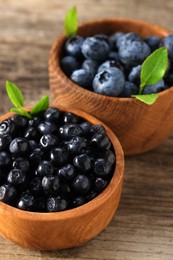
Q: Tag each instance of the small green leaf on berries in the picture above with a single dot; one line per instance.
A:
(71, 22)
(42, 105)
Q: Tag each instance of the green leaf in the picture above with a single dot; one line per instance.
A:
(71, 22)
(154, 68)
(42, 105)
(20, 111)
(14, 94)
(148, 99)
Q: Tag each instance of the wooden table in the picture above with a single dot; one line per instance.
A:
(143, 226)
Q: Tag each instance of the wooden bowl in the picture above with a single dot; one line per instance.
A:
(138, 126)
(50, 231)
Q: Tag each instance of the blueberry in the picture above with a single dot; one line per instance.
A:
(100, 184)
(31, 133)
(95, 49)
(114, 38)
(16, 177)
(40, 204)
(35, 121)
(33, 144)
(7, 127)
(76, 145)
(91, 195)
(21, 164)
(73, 46)
(122, 40)
(55, 204)
(129, 89)
(82, 162)
(82, 77)
(134, 75)
(102, 167)
(47, 127)
(26, 201)
(21, 121)
(90, 66)
(168, 43)
(109, 155)
(36, 185)
(113, 55)
(50, 184)
(19, 146)
(70, 130)
(109, 82)
(69, 64)
(7, 193)
(97, 129)
(48, 141)
(67, 172)
(70, 118)
(153, 42)
(101, 141)
(65, 190)
(169, 79)
(45, 168)
(81, 184)
(133, 52)
(5, 140)
(52, 114)
(5, 159)
(86, 127)
(78, 201)
(36, 156)
(110, 64)
(155, 88)
(59, 155)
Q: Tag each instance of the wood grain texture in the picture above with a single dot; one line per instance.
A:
(143, 226)
(139, 127)
(50, 231)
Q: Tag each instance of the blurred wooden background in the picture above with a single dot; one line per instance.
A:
(143, 226)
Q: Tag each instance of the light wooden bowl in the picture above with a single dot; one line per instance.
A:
(50, 231)
(138, 126)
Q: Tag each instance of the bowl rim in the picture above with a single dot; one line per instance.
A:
(89, 206)
(59, 41)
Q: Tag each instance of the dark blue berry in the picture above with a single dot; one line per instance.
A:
(168, 43)
(91, 195)
(100, 184)
(31, 133)
(5, 140)
(133, 52)
(78, 201)
(19, 145)
(102, 167)
(47, 127)
(81, 184)
(59, 155)
(73, 46)
(52, 114)
(155, 88)
(122, 40)
(153, 42)
(134, 75)
(36, 156)
(101, 141)
(45, 168)
(95, 49)
(109, 82)
(76, 145)
(7, 193)
(86, 126)
(21, 164)
(82, 77)
(71, 130)
(114, 38)
(67, 172)
(129, 89)
(108, 155)
(5, 158)
(55, 204)
(7, 127)
(82, 162)
(50, 184)
(90, 66)
(97, 129)
(26, 201)
(110, 64)
(16, 177)
(40, 204)
(70, 118)
(34, 122)
(65, 190)
(33, 144)
(69, 64)
(21, 121)
(49, 141)
(36, 185)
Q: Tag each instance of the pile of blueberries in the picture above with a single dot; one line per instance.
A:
(111, 65)
(53, 162)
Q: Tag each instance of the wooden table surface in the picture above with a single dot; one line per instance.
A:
(143, 226)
